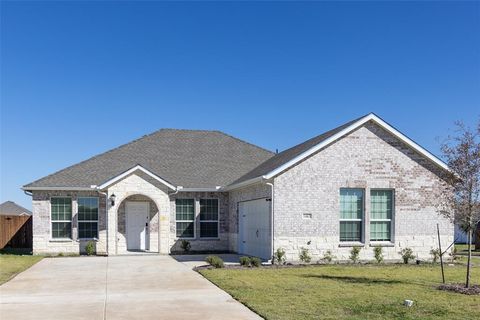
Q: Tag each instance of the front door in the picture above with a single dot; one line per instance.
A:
(138, 216)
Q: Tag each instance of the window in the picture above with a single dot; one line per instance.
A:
(87, 218)
(381, 210)
(351, 214)
(185, 217)
(208, 218)
(61, 216)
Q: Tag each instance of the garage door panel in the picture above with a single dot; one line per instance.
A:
(254, 220)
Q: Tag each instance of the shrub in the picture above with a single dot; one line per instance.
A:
(328, 256)
(304, 255)
(407, 255)
(378, 254)
(453, 254)
(185, 245)
(279, 256)
(90, 248)
(255, 262)
(355, 254)
(215, 261)
(435, 255)
(61, 254)
(245, 261)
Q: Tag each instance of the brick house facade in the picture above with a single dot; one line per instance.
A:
(361, 184)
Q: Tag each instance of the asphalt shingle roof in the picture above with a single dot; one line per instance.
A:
(188, 158)
(10, 208)
(289, 154)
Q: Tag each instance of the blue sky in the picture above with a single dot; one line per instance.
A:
(79, 78)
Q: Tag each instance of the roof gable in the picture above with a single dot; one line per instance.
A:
(10, 208)
(290, 157)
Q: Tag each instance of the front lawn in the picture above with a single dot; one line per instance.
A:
(462, 249)
(349, 292)
(11, 265)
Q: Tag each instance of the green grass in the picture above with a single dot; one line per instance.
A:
(349, 292)
(11, 265)
(462, 249)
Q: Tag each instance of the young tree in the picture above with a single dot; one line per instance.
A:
(462, 154)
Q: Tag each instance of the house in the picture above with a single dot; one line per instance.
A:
(15, 226)
(361, 184)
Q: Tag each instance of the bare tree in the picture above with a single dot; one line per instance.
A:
(462, 154)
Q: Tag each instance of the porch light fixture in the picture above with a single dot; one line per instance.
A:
(112, 199)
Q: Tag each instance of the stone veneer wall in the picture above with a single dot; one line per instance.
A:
(42, 240)
(252, 192)
(367, 158)
(199, 244)
(152, 225)
(139, 184)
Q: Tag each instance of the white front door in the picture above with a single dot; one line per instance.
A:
(254, 228)
(137, 219)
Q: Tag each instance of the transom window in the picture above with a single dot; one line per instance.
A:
(351, 214)
(87, 218)
(61, 217)
(185, 218)
(381, 211)
(208, 218)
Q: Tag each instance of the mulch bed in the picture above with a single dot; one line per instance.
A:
(460, 288)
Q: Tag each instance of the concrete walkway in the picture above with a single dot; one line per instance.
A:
(124, 287)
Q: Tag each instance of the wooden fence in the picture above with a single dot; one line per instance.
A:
(16, 231)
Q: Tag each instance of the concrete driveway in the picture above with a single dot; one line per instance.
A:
(124, 287)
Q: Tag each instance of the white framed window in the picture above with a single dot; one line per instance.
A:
(185, 218)
(208, 218)
(381, 214)
(351, 214)
(61, 217)
(87, 217)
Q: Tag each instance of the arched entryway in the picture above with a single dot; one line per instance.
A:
(137, 225)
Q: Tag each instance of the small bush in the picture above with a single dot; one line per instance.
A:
(453, 254)
(355, 254)
(304, 255)
(407, 255)
(279, 256)
(378, 251)
(328, 256)
(245, 261)
(90, 248)
(435, 255)
(61, 254)
(255, 262)
(185, 245)
(215, 261)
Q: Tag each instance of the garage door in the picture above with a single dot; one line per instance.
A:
(254, 228)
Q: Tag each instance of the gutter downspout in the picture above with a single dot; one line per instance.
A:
(106, 215)
(272, 219)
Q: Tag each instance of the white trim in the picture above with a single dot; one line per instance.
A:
(182, 189)
(347, 130)
(194, 219)
(61, 221)
(126, 173)
(244, 183)
(89, 221)
(57, 188)
(200, 221)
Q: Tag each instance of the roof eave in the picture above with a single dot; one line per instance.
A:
(243, 184)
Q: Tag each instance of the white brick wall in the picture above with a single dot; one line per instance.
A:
(367, 158)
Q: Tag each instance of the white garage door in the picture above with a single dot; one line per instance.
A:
(254, 228)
